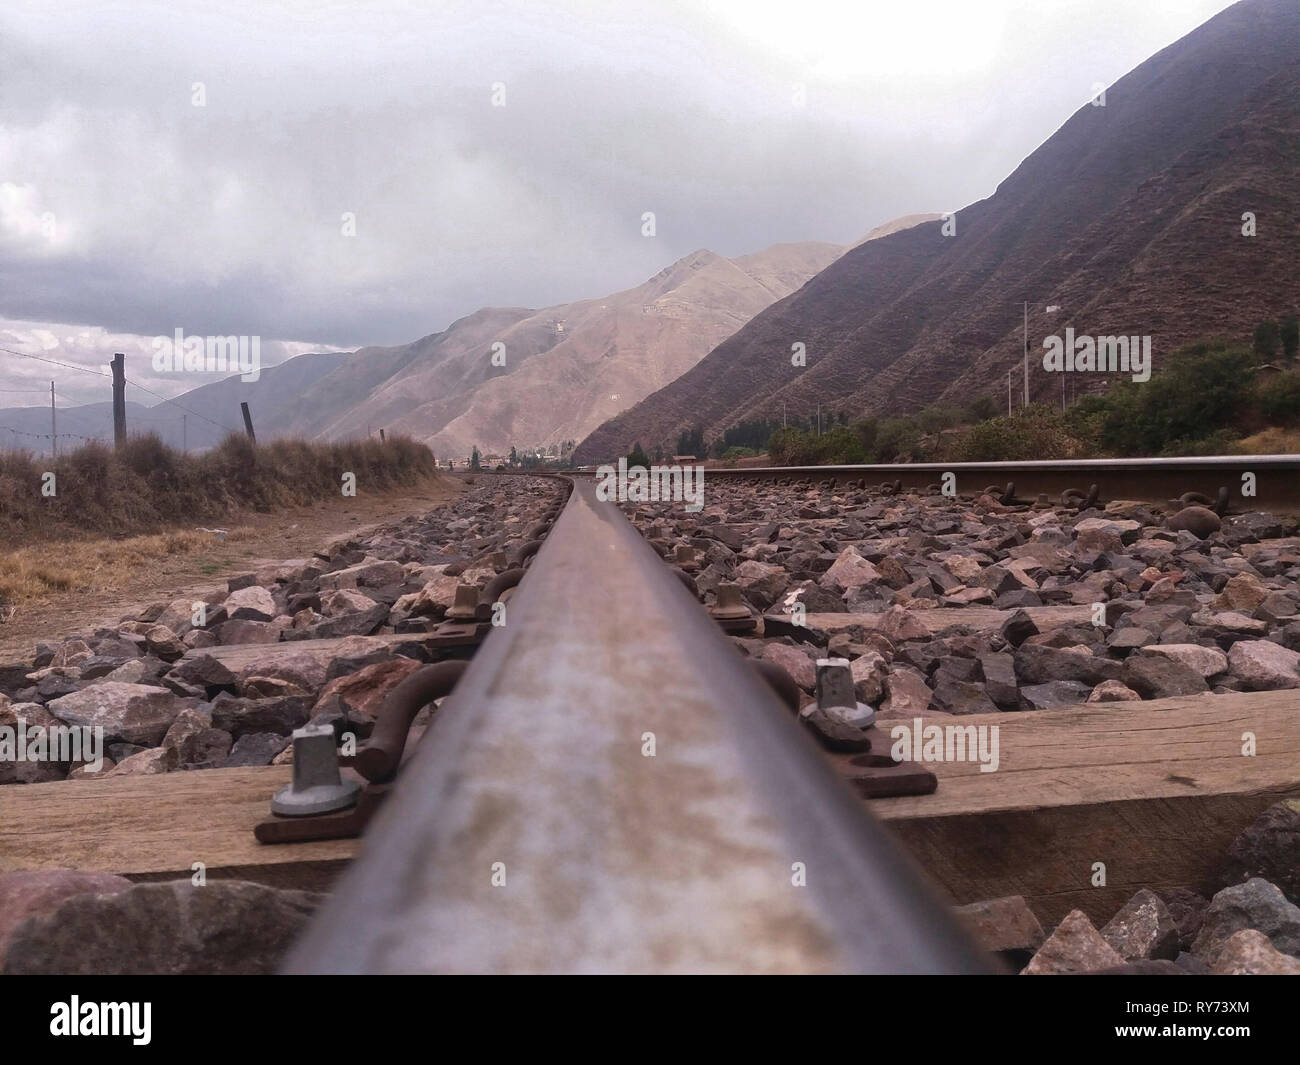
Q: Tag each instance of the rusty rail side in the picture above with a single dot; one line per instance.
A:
(611, 788)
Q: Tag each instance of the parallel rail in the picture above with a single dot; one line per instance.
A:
(1275, 480)
(611, 788)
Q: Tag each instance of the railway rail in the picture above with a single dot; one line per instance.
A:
(612, 789)
(1272, 480)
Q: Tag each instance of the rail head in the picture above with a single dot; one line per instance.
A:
(612, 789)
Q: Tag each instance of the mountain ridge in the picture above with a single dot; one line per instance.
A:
(915, 317)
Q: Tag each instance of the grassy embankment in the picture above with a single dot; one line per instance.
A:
(112, 512)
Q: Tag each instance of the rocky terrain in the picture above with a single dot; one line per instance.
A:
(946, 607)
(967, 605)
(164, 704)
(941, 606)
(1251, 927)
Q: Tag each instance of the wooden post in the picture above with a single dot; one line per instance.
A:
(185, 435)
(382, 439)
(248, 423)
(54, 425)
(119, 399)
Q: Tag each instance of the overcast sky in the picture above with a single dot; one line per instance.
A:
(126, 211)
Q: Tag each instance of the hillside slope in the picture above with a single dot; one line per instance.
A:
(1128, 218)
(567, 368)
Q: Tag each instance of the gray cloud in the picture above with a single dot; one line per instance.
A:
(125, 207)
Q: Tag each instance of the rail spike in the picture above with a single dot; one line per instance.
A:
(1196, 499)
(1085, 500)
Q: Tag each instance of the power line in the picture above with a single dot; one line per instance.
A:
(55, 362)
(98, 373)
(45, 436)
(187, 410)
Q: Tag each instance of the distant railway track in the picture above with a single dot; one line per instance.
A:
(1276, 478)
(611, 788)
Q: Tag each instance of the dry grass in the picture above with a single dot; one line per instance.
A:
(146, 486)
(1271, 441)
(32, 574)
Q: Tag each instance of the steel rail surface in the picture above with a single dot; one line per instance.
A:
(530, 833)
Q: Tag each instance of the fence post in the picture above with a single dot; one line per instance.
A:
(248, 423)
(119, 399)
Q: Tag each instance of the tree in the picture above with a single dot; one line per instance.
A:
(1290, 336)
(637, 457)
(514, 456)
(475, 460)
(691, 441)
(1267, 338)
(981, 410)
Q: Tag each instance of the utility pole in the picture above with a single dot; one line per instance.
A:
(819, 419)
(248, 423)
(185, 435)
(1008, 393)
(1026, 353)
(54, 425)
(119, 400)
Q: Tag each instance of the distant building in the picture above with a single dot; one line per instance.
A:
(682, 460)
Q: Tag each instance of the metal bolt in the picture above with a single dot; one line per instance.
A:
(318, 787)
(729, 605)
(686, 558)
(465, 606)
(836, 696)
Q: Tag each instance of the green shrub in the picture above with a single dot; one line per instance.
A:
(1277, 398)
(981, 410)
(1268, 338)
(839, 446)
(1034, 432)
(1202, 389)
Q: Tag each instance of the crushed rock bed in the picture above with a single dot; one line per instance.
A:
(164, 705)
(961, 606)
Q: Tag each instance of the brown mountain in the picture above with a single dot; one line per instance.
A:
(1129, 218)
(566, 368)
(617, 350)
